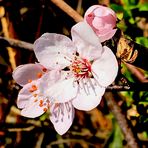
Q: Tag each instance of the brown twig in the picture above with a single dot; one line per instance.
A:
(137, 73)
(115, 109)
(16, 43)
(67, 9)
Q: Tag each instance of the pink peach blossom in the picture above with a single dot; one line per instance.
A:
(86, 68)
(102, 20)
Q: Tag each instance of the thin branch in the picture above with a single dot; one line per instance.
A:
(137, 73)
(62, 141)
(130, 87)
(16, 43)
(115, 109)
(27, 129)
(67, 9)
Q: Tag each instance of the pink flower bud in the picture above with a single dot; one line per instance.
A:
(102, 20)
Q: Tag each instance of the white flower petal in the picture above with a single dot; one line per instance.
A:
(105, 68)
(88, 44)
(33, 109)
(54, 50)
(63, 90)
(89, 96)
(62, 116)
(48, 80)
(25, 94)
(26, 72)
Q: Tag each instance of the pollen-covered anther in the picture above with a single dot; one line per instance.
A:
(41, 103)
(39, 74)
(45, 109)
(35, 95)
(81, 68)
(33, 88)
(29, 81)
(44, 69)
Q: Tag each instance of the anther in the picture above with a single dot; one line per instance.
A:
(41, 105)
(44, 69)
(29, 81)
(39, 74)
(44, 109)
(33, 88)
(35, 95)
(41, 101)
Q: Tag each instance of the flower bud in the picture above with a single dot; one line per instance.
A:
(102, 20)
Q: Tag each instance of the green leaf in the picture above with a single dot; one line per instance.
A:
(142, 40)
(143, 7)
(119, 15)
(117, 137)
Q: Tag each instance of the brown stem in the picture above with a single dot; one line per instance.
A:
(67, 9)
(115, 109)
(16, 43)
(137, 73)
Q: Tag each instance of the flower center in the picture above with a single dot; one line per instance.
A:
(81, 68)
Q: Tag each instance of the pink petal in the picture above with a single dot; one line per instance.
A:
(105, 24)
(107, 36)
(89, 97)
(63, 90)
(33, 109)
(62, 116)
(103, 11)
(54, 50)
(88, 44)
(99, 10)
(26, 72)
(105, 68)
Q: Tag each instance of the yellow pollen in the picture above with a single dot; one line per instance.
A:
(77, 70)
(35, 95)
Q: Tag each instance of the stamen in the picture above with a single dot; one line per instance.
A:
(33, 88)
(29, 81)
(44, 69)
(41, 105)
(35, 95)
(41, 101)
(81, 68)
(44, 109)
(39, 74)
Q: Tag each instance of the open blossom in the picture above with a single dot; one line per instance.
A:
(33, 101)
(86, 68)
(102, 20)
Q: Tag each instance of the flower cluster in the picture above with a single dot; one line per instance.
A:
(69, 73)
